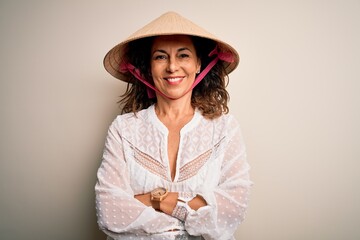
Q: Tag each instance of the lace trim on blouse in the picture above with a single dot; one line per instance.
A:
(187, 171)
(193, 167)
(149, 163)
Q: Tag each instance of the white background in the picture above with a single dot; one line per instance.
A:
(295, 93)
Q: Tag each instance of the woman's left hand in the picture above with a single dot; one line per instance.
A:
(168, 204)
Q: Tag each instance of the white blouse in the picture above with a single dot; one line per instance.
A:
(211, 162)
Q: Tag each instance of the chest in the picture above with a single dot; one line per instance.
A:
(181, 162)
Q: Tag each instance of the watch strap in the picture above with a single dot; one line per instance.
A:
(156, 205)
(182, 207)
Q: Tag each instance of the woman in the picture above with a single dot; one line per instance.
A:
(174, 164)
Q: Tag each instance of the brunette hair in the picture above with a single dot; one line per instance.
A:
(209, 96)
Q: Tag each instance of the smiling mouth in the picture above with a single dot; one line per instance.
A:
(174, 80)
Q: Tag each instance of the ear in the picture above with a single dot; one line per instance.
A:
(198, 69)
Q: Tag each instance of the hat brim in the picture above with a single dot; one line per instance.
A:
(167, 24)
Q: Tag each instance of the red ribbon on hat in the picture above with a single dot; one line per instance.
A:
(224, 56)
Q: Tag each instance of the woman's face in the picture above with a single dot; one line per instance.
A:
(174, 64)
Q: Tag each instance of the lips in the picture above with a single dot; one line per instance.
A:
(174, 80)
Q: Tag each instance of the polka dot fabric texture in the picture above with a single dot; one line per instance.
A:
(211, 162)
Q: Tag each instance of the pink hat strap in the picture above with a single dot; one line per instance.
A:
(125, 66)
(224, 56)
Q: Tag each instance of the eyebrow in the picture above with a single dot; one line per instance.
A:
(179, 50)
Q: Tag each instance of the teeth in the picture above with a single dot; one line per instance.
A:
(174, 79)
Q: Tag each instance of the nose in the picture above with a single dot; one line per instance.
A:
(173, 65)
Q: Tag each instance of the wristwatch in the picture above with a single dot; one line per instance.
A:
(158, 195)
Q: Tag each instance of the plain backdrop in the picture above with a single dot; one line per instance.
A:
(295, 93)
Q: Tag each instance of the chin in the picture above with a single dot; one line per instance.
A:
(177, 95)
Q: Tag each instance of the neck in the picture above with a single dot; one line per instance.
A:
(174, 109)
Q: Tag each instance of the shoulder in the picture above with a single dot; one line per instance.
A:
(138, 116)
(222, 127)
(225, 121)
(129, 120)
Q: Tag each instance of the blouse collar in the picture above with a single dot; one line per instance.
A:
(188, 127)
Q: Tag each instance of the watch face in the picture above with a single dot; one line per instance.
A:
(159, 192)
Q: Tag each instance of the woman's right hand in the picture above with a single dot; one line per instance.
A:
(168, 204)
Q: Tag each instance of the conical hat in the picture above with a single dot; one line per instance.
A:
(169, 23)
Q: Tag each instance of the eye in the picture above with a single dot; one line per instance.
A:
(160, 57)
(184, 55)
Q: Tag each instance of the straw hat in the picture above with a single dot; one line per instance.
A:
(169, 23)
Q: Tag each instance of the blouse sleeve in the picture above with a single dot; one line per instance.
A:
(227, 203)
(117, 209)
